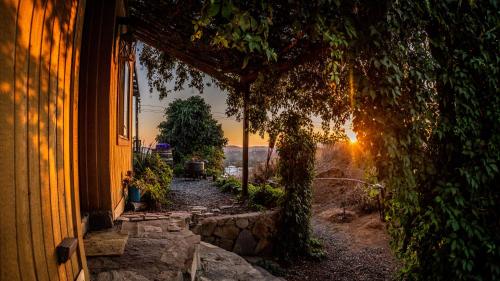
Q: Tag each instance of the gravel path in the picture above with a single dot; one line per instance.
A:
(342, 262)
(186, 193)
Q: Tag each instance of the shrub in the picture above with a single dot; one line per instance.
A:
(265, 195)
(260, 196)
(153, 176)
(178, 170)
(229, 184)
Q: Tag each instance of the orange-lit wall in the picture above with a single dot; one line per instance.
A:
(39, 63)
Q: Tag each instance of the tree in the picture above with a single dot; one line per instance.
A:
(422, 80)
(193, 133)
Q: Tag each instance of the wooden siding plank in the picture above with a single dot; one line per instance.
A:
(33, 146)
(59, 117)
(105, 65)
(22, 210)
(75, 71)
(81, 100)
(53, 134)
(69, 187)
(9, 268)
(45, 149)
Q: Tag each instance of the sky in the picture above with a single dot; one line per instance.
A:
(152, 109)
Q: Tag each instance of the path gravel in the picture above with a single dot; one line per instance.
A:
(342, 263)
(186, 193)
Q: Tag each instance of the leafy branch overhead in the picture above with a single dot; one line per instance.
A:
(420, 79)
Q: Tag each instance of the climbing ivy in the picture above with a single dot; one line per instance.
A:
(296, 149)
(423, 82)
(421, 79)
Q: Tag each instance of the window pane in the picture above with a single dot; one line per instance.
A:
(126, 94)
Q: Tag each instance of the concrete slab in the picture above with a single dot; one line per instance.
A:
(105, 243)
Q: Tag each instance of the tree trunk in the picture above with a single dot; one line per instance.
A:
(245, 89)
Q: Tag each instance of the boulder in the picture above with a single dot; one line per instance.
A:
(242, 223)
(228, 232)
(226, 244)
(264, 248)
(245, 244)
(208, 227)
(263, 228)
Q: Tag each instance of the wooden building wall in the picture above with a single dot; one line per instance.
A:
(39, 63)
(105, 158)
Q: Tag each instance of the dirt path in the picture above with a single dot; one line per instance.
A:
(357, 249)
(186, 193)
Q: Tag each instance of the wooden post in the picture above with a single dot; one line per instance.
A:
(244, 183)
(137, 95)
(137, 145)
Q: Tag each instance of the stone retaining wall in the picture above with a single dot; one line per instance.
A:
(245, 234)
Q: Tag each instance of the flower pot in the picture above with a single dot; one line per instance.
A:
(134, 194)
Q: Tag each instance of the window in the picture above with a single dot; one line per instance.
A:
(124, 100)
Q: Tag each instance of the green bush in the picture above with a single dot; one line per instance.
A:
(153, 176)
(265, 195)
(229, 184)
(260, 196)
(178, 170)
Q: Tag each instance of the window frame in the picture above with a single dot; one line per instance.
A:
(121, 119)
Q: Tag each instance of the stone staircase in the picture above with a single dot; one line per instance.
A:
(161, 247)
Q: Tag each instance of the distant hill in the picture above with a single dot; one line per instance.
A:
(234, 156)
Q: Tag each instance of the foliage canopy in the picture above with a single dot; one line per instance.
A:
(421, 79)
(193, 132)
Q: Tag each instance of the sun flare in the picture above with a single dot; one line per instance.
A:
(352, 137)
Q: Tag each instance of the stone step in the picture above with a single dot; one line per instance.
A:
(156, 250)
(218, 264)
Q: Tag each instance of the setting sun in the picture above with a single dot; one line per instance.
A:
(352, 137)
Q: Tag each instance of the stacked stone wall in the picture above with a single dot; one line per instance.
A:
(250, 234)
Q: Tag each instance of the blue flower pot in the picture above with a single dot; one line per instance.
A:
(134, 194)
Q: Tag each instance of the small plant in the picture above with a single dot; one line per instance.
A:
(229, 184)
(316, 249)
(265, 195)
(153, 176)
(260, 196)
(272, 267)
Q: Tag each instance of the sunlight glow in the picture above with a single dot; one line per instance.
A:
(352, 137)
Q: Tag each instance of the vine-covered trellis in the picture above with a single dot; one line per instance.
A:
(419, 77)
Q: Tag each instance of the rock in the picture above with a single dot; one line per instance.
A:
(199, 208)
(173, 228)
(226, 244)
(218, 265)
(138, 206)
(119, 275)
(245, 244)
(105, 243)
(261, 229)
(264, 248)
(227, 232)
(215, 210)
(152, 229)
(171, 275)
(209, 239)
(242, 223)
(208, 227)
(225, 207)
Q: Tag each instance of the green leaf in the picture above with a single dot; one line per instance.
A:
(214, 9)
(245, 62)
